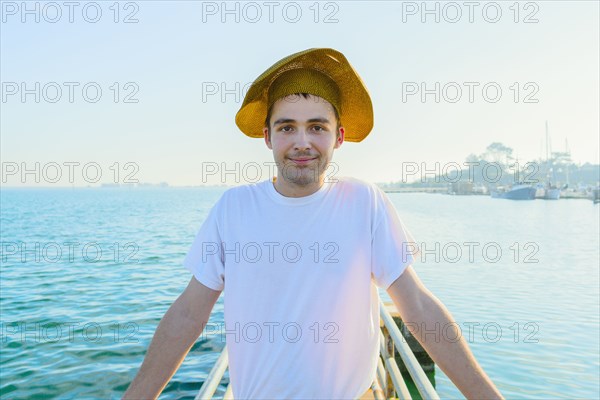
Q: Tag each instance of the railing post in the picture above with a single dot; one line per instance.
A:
(420, 379)
(390, 392)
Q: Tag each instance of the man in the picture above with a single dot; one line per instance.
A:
(301, 256)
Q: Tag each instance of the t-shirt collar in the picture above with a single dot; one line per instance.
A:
(279, 198)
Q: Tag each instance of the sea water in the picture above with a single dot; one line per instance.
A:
(87, 274)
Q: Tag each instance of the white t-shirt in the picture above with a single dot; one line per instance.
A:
(299, 277)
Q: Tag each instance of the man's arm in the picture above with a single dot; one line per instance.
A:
(176, 333)
(421, 310)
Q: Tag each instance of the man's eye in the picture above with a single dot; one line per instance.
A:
(318, 128)
(286, 128)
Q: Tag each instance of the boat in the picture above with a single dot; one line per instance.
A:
(551, 192)
(519, 191)
(540, 192)
(480, 189)
(547, 192)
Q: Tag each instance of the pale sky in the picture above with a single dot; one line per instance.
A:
(176, 51)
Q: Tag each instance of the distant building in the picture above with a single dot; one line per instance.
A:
(461, 187)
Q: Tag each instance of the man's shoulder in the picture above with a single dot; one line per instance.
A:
(350, 180)
(355, 185)
(246, 189)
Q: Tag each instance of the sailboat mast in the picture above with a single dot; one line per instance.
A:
(546, 141)
(547, 155)
(568, 160)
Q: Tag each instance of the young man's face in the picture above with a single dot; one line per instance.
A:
(303, 137)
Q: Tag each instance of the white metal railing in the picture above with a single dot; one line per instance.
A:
(210, 385)
(424, 386)
(388, 382)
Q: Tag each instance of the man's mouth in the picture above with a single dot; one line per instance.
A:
(302, 160)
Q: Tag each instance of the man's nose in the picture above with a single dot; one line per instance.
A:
(302, 139)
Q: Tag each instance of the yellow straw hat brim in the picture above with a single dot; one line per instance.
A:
(316, 68)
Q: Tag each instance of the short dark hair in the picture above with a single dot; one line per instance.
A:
(306, 96)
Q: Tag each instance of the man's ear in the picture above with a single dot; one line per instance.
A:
(339, 139)
(266, 135)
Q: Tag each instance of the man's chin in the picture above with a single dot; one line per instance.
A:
(301, 176)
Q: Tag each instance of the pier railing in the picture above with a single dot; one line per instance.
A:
(389, 382)
(390, 337)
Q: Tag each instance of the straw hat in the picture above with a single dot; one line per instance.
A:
(322, 72)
